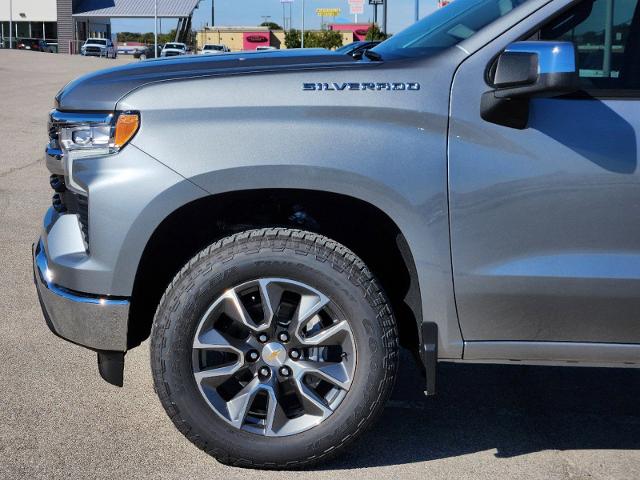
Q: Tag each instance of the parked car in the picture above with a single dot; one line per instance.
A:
(357, 48)
(147, 52)
(173, 49)
(99, 47)
(264, 48)
(34, 44)
(464, 190)
(26, 43)
(214, 49)
(129, 48)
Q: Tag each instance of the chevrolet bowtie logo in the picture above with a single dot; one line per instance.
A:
(273, 355)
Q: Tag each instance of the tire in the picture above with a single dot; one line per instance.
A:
(288, 259)
(142, 57)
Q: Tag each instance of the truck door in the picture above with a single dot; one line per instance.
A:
(545, 221)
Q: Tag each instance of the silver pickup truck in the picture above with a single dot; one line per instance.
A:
(280, 223)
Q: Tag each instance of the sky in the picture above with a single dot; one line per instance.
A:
(250, 12)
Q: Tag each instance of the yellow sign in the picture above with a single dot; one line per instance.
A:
(328, 12)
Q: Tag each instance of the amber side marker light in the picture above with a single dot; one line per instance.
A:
(126, 127)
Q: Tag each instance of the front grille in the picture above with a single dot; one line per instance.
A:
(83, 216)
(93, 50)
(54, 138)
(66, 201)
(69, 202)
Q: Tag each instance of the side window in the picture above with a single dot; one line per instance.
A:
(606, 34)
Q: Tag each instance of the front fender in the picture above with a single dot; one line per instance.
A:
(262, 131)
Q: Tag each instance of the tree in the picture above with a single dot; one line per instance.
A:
(147, 37)
(293, 39)
(374, 34)
(325, 39)
(271, 25)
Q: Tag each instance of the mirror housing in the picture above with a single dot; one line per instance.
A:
(527, 70)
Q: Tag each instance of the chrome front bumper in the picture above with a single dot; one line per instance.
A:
(98, 323)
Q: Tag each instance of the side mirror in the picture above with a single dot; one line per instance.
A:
(528, 70)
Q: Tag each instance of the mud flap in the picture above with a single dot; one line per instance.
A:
(429, 355)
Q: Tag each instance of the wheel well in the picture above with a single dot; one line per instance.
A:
(358, 225)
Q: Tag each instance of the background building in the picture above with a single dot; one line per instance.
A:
(31, 19)
(240, 38)
(353, 31)
(249, 38)
(69, 22)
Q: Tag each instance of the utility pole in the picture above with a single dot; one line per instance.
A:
(10, 24)
(417, 10)
(213, 13)
(384, 12)
(155, 27)
(302, 39)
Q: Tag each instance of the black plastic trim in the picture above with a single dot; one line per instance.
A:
(429, 353)
(111, 367)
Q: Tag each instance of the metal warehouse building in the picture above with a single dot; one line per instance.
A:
(70, 22)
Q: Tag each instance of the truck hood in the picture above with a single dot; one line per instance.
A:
(100, 91)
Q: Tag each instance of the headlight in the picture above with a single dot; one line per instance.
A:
(107, 134)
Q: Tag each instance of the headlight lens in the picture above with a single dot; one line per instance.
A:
(103, 137)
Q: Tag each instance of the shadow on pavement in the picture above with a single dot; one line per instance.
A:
(512, 409)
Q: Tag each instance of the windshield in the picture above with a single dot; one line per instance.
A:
(446, 27)
(175, 45)
(96, 41)
(213, 47)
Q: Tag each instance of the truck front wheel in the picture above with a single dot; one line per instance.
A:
(274, 348)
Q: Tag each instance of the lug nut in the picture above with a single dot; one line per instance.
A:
(294, 354)
(285, 371)
(264, 372)
(262, 338)
(253, 355)
(283, 337)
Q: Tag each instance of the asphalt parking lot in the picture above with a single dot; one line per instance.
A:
(58, 419)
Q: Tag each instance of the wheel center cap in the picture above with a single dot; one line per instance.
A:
(274, 354)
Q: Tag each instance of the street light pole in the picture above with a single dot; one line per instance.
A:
(417, 10)
(10, 24)
(213, 12)
(302, 40)
(155, 28)
(384, 12)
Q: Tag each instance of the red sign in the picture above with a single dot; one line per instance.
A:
(361, 32)
(257, 39)
(252, 40)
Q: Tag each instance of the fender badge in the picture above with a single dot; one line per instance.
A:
(362, 87)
